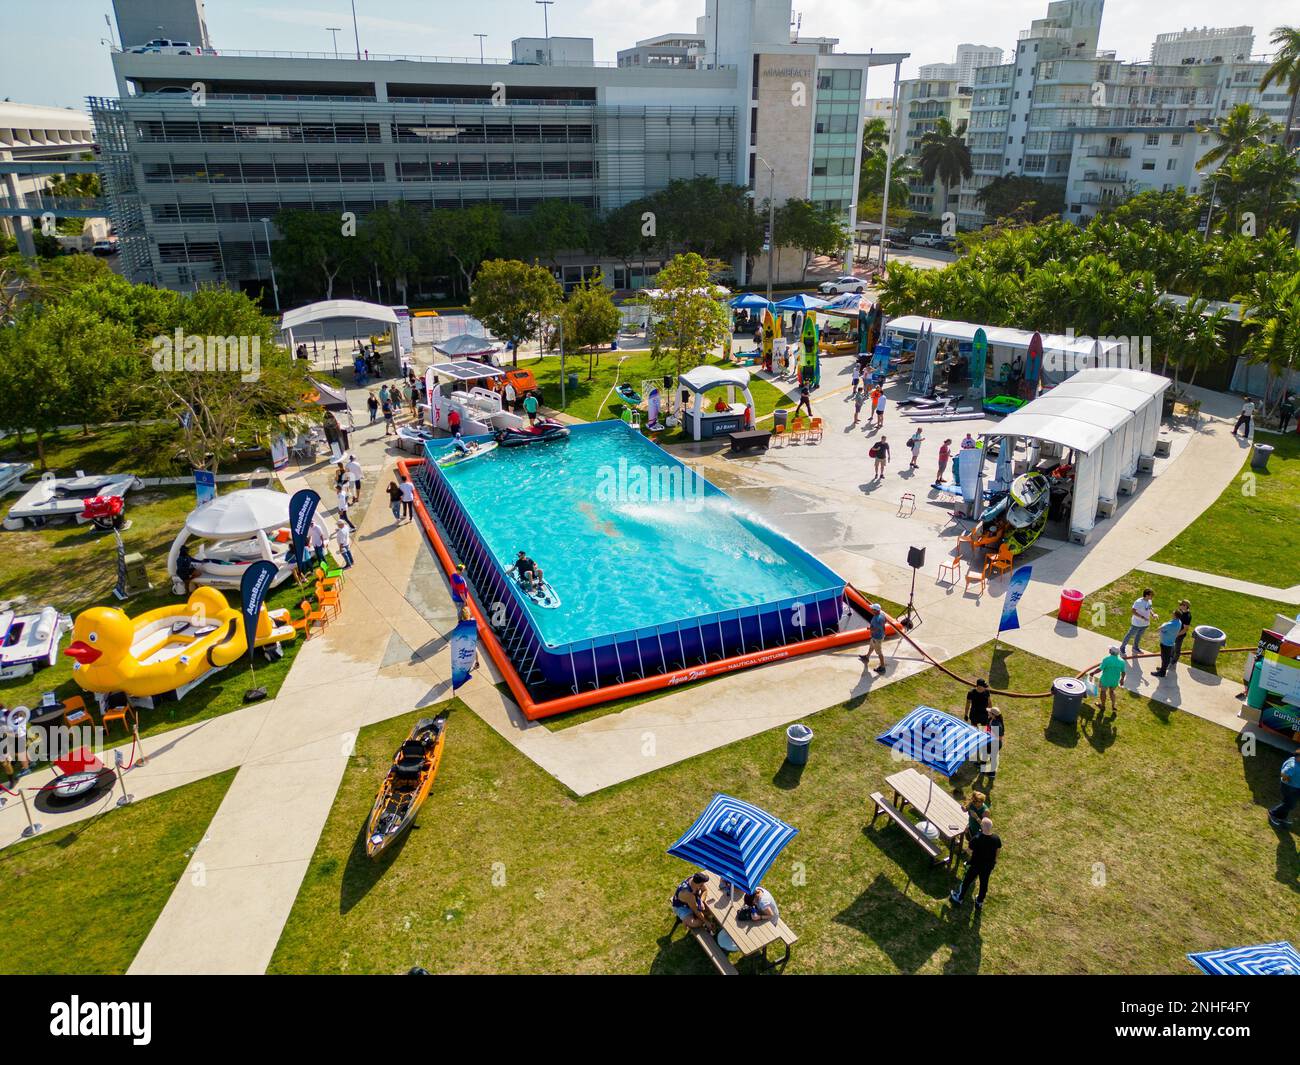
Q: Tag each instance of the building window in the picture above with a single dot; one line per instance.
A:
(1153, 139)
(1148, 164)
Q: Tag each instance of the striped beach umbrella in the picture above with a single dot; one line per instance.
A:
(937, 740)
(734, 839)
(1266, 959)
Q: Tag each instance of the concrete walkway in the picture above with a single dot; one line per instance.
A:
(1228, 584)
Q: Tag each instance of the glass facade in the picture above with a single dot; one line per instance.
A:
(835, 138)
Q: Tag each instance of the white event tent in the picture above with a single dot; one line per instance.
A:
(1110, 419)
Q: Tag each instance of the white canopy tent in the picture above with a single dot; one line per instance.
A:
(325, 310)
(700, 380)
(1110, 420)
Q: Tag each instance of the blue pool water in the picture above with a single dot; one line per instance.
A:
(628, 536)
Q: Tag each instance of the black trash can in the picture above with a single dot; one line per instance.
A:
(1207, 642)
(573, 380)
(798, 737)
(1259, 456)
(1067, 699)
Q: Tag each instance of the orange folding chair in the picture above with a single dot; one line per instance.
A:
(75, 713)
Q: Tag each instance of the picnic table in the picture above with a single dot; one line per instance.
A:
(752, 937)
(915, 789)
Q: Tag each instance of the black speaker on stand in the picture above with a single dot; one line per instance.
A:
(911, 616)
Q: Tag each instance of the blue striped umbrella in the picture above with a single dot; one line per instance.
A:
(935, 739)
(1267, 959)
(734, 839)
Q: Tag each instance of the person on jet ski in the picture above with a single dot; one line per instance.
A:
(527, 572)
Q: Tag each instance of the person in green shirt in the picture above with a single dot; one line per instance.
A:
(530, 408)
(1113, 671)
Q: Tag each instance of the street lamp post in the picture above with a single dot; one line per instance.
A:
(480, 37)
(546, 27)
(771, 220)
(334, 32)
(356, 34)
(275, 289)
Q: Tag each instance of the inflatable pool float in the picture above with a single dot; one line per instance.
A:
(629, 395)
(1002, 405)
(543, 595)
(544, 430)
(455, 458)
(29, 642)
(168, 649)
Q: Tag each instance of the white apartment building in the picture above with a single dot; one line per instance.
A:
(1206, 44)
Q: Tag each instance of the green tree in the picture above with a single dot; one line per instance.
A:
(687, 317)
(1019, 198)
(716, 221)
(313, 251)
(1285, 69)
(815, 229)
(556, 226)
(512, 299)
(590, 319)
(467, 237)
(1176, 211)
(394, 237)
(945, 156)
(1239, 129)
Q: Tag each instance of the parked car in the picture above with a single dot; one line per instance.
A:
(928, 240)
(104, 247)
(166, 46)
(847, 283)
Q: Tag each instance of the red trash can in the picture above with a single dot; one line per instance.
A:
(1071, 604)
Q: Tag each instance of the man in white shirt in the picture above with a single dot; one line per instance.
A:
(509, 396)
(1140, 618)
(354, 477)
(343, 507)
(343, 536)
(316, 541)
(1246, 416)
(408, 500)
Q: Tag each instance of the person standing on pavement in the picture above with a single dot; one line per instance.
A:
(877, 624)
(343, 507)
(372, 405)
(1168, 640)
(1280, 815)
(408, 500)
(1140, 618)
(879, 451)
(914, 443)
(945, 453)
(1245, 418)
(316, 541)
(387, 405)
(984, 856)
(508, 393)
(530, 408)
(880, 410)
(395, 500)
(343, 536)
(859, 398)
(354, 477)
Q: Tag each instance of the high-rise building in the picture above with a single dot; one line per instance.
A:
(1208, 44)
(191, 174)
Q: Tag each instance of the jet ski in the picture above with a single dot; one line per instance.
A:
(545, 429)
(542, 594)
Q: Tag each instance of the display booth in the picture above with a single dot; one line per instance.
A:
(355, 311)
(464, 387)
(706, 422)
(1108, 420)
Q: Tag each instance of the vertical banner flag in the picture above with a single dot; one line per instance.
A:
(205, 486)
(464, 650)
(979, 354)
(1015, 591)
(302, 511)
(652, 408)
(252, 592)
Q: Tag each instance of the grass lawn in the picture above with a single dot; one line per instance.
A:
(1240, 616)
(143, 449)
(1126, 844)
(73, 567)
(1249, 537)
(585, 401)
(82, 899)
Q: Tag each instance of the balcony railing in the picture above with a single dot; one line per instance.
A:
(1110, 152)
(1102, 177)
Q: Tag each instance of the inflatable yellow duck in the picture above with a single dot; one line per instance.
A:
(165, 649)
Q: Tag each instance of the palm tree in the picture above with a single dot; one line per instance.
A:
(945, 155)
(1239, 129)
(1285, 68)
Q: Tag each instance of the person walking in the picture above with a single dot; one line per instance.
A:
(387, 406)
(996, 729)
(857, 379)
(459, 587)
(1168, 639)
(1183, 614)
(1245, 418)
(343, 536)
(805, 400)
(977, 704)
(880, 452)
(945, 453)
(395, 500)
(316, 541)
(343, 507)
(530, 408)
(1110, 676)
(877, 624)
(859, 398)
(1140, 617)
(372, 405)
(983, 857)
(879, 408)
(354, 477)
(1280, 815)
(408, 500)
(508, 394)
(914, 443)
(1285, 411)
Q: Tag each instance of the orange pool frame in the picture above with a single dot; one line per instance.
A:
(533, 710)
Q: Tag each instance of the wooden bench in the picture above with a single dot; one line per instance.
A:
(715, 953)
(749, 440)
(883, 806)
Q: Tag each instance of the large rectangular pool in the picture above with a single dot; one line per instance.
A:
(655, 567)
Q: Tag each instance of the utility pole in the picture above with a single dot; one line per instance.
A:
(480, 37)
(771, 220)
(889, 165)
(546, 27)
(356, 34)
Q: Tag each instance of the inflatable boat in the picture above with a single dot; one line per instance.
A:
(543, 430)
(1002, 405)
(29, 642)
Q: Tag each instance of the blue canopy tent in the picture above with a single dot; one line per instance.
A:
(1267, 959)
(734, 839)
(937, 740)
(801, 302)
(750, 301)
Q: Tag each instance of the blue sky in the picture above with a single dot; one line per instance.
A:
(50, 50)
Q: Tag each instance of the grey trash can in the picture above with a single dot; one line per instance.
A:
(779, 417)
(1207, 642)
(1067, 699)
(573, 380)
(1259, 456)
(798, 737)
